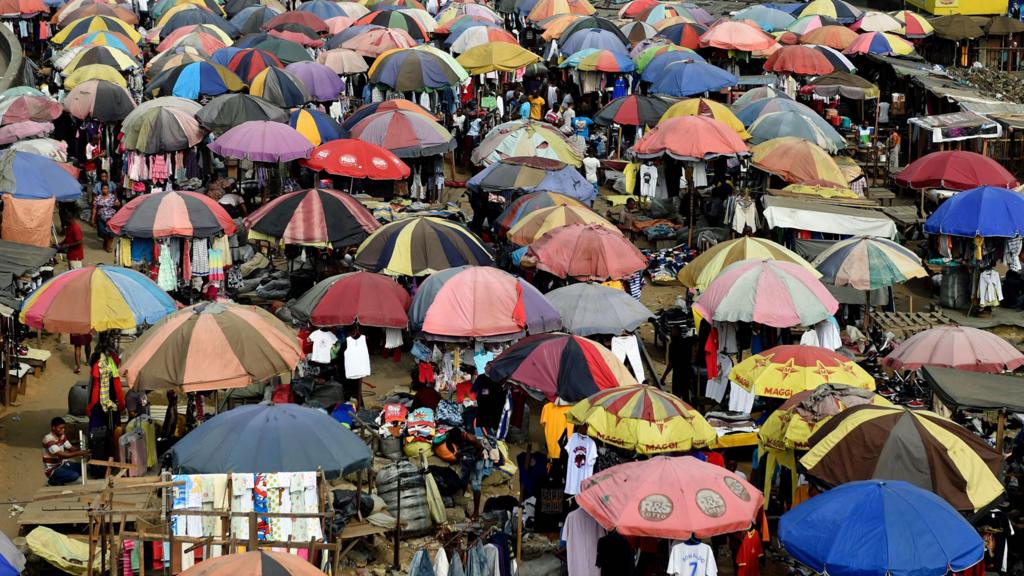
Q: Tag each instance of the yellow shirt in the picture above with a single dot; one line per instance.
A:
(552, 417)
(536, 108)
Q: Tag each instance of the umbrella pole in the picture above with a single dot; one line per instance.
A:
(1000, 430)
(689, 223)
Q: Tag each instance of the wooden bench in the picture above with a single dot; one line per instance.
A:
(906, 217)
(906, 324)
(884, 196)
(36, 358)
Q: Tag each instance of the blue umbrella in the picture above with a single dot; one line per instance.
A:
(224, 55)
(523, 7)
(880, 528)
(316, 126)
(347, 33)
(12, 561)
(769, 19)
(457, 30)
(503, 176)
(251, 19)
(271, 438)
(27, 175)
(593, 38)
(750, 113)
(687, 78)
(790, 8)
(656, 67)
(323, 8)
(798, 125)
(197, 16)
(987, 211)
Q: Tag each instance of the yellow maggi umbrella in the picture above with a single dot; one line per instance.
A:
(709, 108)
(704, 268)
(88, 24)
(95, 72)
(643, 419)
(822, 189)
(783, 371)
(497, 56)
(540, 222)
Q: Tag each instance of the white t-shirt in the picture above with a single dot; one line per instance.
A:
(591, 165)
(322, 341)
(582, 453)
(648, 180)
(357, 358)
(692, 560)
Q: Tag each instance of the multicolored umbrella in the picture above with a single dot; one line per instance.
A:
(229, 110)
(343, 61)
(794, 124)
(880, 43)
(548, 8)
(916, 446)
(955, 170)
(595, 38)
(566, 27)
(707, 108)
(301, 17)
(790, 426)
(363, 298)
(203, 37)
(412, 70)
(188, 17)
(323, 83)
(877, 22)
(833, 36)
(587, 252)
(194, 80)
(769, 19)
(316, 126)
(651, 62)
(465, 21)
(914, 25)
(257, 563)
(253, 18)
(597, 60)
(315, 217)
(28, 175)
(690, 138)
(841, 11)
(262, 141)
(496, 57)
(181, 55)
(357, 159)
(769, 292)
(880, 527)
(532, 174)
(88, 24)
(633, 110)
(456, 10)
(699, 273)
(297, 33)
(323, 9)
(532, 226)
(158, 130)
(279, 87)
(684, 34)
(867, 263)
(285, 50)
(796, 160)
(529, 203)
(674, 498)
(96, 298)
(838, 60)
(526, 138)
(480, 35)
(669, 11)
(396, 20)
(211, 346)
(95, 72)
(959, 347)
(754, 110)
(637, 31)
(106, 38)
(172, 214)
(729, 35)
(85, 55)
(687, 78)
(588, 309)
(406, 134)
(374, 42)
(801, 60)
(809, 23)
(371, 108)
(755, 95)
(635, 8)
(419, 246)
(248, 62)
(783, 371)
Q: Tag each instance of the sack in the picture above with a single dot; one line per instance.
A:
(434, 502)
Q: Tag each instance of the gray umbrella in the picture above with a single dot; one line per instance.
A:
(271, 438)
(588, 309)
(229, 110)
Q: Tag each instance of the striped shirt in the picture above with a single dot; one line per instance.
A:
(52, 446)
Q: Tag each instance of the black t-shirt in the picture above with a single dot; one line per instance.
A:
(490, 401)
(614, 555)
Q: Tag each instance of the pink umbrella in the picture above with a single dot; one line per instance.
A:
(690, 138)
(732, 35)
(770, 292)
(673, 498)
(262, 141)
(29, 108)
(957, 347)
(587, 252)
(21, 130)
(338, 24)
(375, 42)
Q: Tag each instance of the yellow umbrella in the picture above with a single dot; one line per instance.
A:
(783, 371)
(496, 56)
(180, 7)
(704, 268)
(95, 72)
(796, 160)
(709, 108)
(848, 167)
(539, 222)
(554, 26)
(88, 24)
(643, 419)
(100, 55)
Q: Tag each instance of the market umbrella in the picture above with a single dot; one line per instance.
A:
(248, 62)
(314, 217)
(877, 22)
(338, 24)
(370, 108)
(196, 16)
(1003, 26)
(529, 203)
(914, 25)
(755, 95)
(88, 24)
(211, 346)
(548, 8)
(955, 170)
(280, 87)
(675, 498)
(160, 129)
(587, 252)
(262, 141)
(256, 563)
(597, 60)
(789, 427)
(687, 78)
(85, 55)
(96, 298)
(297, 33)
(301, 17)
(172, 213)
(880, 43)
(595, 38)
(269, 438)
(285, 50)
(195, 80)
(229, 110)
(419, 246)
(667, 11)
(843, 12)
(29, 108)
(28, 175)
(485, 303)
(588, 309)
(806, 24)
(755, 110)
(410, 70)
(878, 527)
(591, 22)
(396, 20)
(323, 9)
(769, 292)
(12, 561)
(496, 57)
(637, 31)
(915, 446)
(181, 55)
(252, 18)
(634, 8)
(200, 36)
(526, 138)
(704, 268)
(455, 10)
(959, 347)
(316, 126)
(783, 371)
(106, 38)
(842, 84)
(653, 61)
(868, 263)
(690, 138)
(343, 61)
(532, 226)
(321, 81)
(956, 27)
(984, 212)
(633, 110)
(794, 124)
(769, 19)
(729, 35)
(838, 37)
(531, 174)
(22, 130)
(363, 298)
(796, 160)
(52, 149)
(707, 108)
(801, 60)
(683, 34)
(95, 9)
(560, 366)
(357, 159)
(406, 134)
(95, 72)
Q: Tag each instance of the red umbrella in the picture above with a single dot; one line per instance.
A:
(798, 60)
(307, 19)
(956, 170)
(690, 138)
(636, 8)
(357, 159)
(587, 252)
(958, 347)
(367, 298)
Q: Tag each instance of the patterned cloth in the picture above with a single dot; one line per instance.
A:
(108, 371)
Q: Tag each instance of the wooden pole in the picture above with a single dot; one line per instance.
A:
(1000, 431)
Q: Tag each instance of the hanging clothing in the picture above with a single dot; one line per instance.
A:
(692, 558)
(717, 386)
(582, 452)
(740, 400)
(200, 257)
(357, 358)
(748, 556)
(700, 175)
(990, 289)
(323, 341)
(552, 418)
(828, 334)
(809, 338)
(624, 347)
(166, 278)
(744, 215)
(580, 534)
(648, 180)
(1011, 255)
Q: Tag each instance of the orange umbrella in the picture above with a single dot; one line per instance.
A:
(796, 160)
(798, 60)
(690, 138)
(838, 37)
(587, 252)
(730, 35)
(548, 8)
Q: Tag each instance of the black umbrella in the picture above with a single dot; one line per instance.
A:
(633, 110)
(956, 27)
(229, 110)
(594, 22)
(100, 100)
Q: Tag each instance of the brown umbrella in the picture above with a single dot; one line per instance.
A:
(254, 564)
(956, 27)
(1003, 26)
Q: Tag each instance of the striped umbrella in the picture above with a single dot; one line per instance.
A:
(833, 36)
(709, 109)
(532, 226)
(595, 60)
(914, 25)
(297, 33)
(414, 70)
(194, 80)
(324, 9)
(867, 263)
(691, 138)
(841, 83)
(96, 298)
(95, 72)
(635, 8)
(561, 366)
(406, 134)
(843, 12)
(172, 213)
(783, 371)
(526, 138)
(789, 427)
(396, 20)
(480, 35)
(456, 10)
(179, 56)
(280, 87)
(248, 62)
(419, 246)
(120, 12)
(255, 563)
(158, 130)
(633, 110)
(665, 11)
(301, 17)
(959, 347)
(795, 124)
(916, 446)
(100, 100)
(637, 31)
(204, 37)
(548, 8)
(315, 217)
(646, 56)
(364, 298)
(880, 43)
(84, 26)
(532, 174)
(316, 126)
(840, 62)
(684, 34)
(706, 267)
(106, 55)
(370, 108)
(106, 38)
(29, 108)
(529, 203)
(643, 419)
(285, 50)
(769, 292)
(226, 111)
(805, 24)
(211, 346)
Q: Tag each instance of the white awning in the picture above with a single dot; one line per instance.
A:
(826, 218)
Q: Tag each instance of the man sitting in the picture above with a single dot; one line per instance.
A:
(57, 451)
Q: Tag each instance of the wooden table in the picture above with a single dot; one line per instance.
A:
(884, 196)
(904, 324)
(906, 217)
